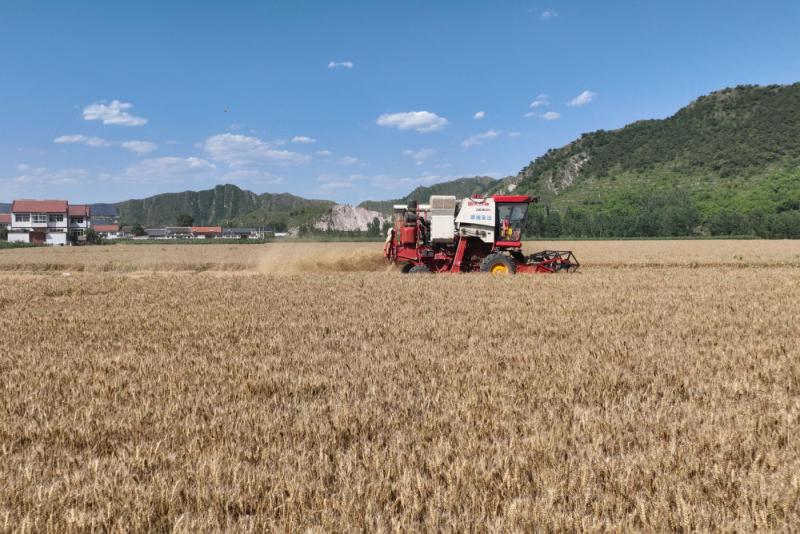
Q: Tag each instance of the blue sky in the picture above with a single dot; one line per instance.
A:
(350, 100)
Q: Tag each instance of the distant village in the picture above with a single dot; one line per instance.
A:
(57, 222)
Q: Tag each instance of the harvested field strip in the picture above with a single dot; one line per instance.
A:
(332, 264)
(123, 267)
(365, 257)
(692, 265)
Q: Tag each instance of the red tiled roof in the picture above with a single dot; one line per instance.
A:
(206, 229)
(5, 218)
(39, 206)
(111, 228)
(79, 210)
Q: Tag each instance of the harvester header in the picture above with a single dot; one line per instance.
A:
(473, 234)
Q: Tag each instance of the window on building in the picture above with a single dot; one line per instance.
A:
(77, 220)
(22, 217)
(39, 217)
(56, 218)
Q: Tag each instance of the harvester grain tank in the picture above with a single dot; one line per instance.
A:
(473, 234)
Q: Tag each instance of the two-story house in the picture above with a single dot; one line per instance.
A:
(80, 220)
(51, 222)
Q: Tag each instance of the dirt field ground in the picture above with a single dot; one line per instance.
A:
(250, 388)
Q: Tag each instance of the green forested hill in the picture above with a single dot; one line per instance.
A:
(224, 204)
(462, 187)
(728, 163)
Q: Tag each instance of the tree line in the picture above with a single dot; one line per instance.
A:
(672, 214)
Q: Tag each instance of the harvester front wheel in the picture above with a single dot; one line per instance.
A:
(419, 269)
(498, 264)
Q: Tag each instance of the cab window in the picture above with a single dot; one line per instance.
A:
(511, 221)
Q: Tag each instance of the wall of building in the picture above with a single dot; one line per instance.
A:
(56, 238)
(41, 226)
(18, 237)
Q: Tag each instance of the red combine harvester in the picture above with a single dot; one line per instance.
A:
(474, 234)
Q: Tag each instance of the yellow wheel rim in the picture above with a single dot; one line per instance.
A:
(499, 269)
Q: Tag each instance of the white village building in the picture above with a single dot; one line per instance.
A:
(51, 222)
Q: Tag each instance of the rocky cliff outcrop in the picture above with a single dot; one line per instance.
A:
(344, 217)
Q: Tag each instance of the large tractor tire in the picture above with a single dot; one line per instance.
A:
(498, 264)
(419, 269)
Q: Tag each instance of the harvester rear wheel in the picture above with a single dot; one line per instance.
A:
(498, 264)
(419, 269)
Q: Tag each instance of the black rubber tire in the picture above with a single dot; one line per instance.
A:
(406, 267)
(419, 269)
(493, 260)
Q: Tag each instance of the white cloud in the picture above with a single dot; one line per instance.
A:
(349, 160)
(112, 113)
(398, 183)
(336, 185)
(514, 135)
(479, 115)
(238, 150)
(42, 176)
(335, 181)
(341, 64)
(82, 139)
(303, 140)
(324, 153)
(421, 121)
(549, 116)
(45, 176)
(139, 147)
(252, 177)
(540, 101)
(478, 139)
(167, 169)
(420, 156)
(548, 14)
(582, 99)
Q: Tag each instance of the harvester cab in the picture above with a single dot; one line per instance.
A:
(473, 234)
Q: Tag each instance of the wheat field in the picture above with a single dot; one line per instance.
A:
(306, 387)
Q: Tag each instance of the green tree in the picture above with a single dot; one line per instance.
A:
(184, 219)
(3, 233)
(785, 225)
(374, 228)
(138, 230)
(92, 237)
(552, 225)
(729, 223)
